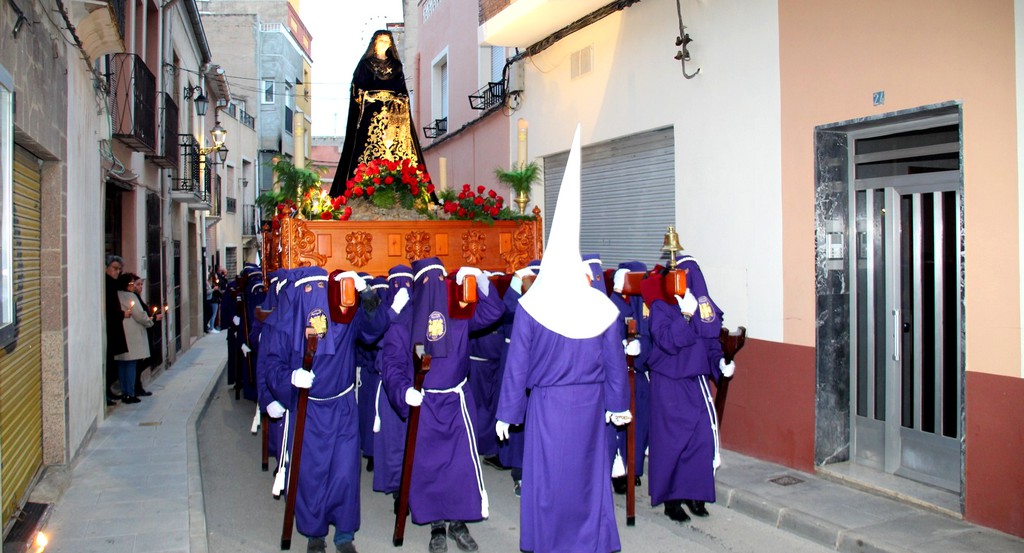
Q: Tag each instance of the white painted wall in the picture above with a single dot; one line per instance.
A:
(728, 152)
(85, 262)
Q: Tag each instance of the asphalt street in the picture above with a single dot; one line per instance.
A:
(243, 516)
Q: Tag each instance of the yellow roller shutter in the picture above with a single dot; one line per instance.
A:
(20, 362)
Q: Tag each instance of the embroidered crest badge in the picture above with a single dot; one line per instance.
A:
(317, 320)
(436, 326)
(707, 312)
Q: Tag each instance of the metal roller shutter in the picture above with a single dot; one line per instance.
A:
(628, 196)
(20, 372)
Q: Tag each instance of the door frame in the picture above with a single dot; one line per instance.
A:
(835, 235)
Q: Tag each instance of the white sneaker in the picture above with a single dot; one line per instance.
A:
(215, 331)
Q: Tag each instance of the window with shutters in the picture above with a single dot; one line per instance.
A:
(6, 212)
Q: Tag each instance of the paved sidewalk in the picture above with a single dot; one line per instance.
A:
(137, 486)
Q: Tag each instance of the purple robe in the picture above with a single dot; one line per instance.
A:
(510, 452)
(447, 482)
(485, 349)
(682, 440)
(566, 502)
(328, 488)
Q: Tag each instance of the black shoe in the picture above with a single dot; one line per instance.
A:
(438, 541)
(111, 402)
(674, 510)
(130, 399)
(638, 482)
(495, 462)
(369, 464)
(696, 507)
(517, 487)
(316, 545)
(347, 547)
(457, 531)
(619, 484)
(144, 393)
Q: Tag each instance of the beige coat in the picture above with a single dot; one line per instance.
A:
(134, 328)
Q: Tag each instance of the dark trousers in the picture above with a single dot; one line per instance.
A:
(111, 374)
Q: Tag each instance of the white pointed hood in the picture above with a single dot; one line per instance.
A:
(561, 299)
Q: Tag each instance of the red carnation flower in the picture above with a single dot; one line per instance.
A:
(495, 211)
(415, 190)
(325, 215)
(478, 200)
(462, 212)
(358, 191)
(480, 189)
(430, 189)
(370, 190)
(376, 180)
(389, 180)
(348, 193)
(465, 187)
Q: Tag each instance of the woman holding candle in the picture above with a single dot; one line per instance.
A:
(135, 323)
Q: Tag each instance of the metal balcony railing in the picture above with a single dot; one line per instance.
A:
(132, 101)
(246, 119)
(439, 128)
(250, 220)
(170, 156)
(187, 186)
(118, 8)
(490, 95)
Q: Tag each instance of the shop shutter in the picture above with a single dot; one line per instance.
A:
(20, 369)
(628, 196)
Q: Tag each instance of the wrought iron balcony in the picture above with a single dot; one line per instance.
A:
(439, 128)
(488, 96)
(188, 187)
(250, 220)
(171, 150)
(132, 101)
(246, 119)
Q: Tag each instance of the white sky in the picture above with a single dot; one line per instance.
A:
(341, 30)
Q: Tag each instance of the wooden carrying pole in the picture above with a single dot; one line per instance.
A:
(296, 457)
(732, 342)
(631, 430)
(421, 365)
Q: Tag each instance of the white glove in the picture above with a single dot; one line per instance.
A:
(727, 368)
(516, 284)
(618, 467)
(632, 347)
(618, 419)
(236, 320)
(459, 276)
(687, 303)
(501, 429)
(245, 350)
(275, 410)
(301, 378)
(413, 397)
(619, 280)
(360, 283)
(401, 299)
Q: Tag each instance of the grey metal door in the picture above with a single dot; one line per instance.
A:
(907, 378)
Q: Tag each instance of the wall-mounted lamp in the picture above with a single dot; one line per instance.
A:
(219, 134)
(201, 102)
(683, 40)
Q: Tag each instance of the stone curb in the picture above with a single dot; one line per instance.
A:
(801, 524)
(198, 541)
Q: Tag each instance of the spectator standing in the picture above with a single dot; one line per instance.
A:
(116, 343)
(135, 323)
(216, 295)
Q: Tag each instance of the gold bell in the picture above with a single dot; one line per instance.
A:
(671, 245)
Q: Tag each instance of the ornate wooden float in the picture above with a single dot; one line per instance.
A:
(376, 246)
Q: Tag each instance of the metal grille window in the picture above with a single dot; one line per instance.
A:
(6, 183)
(231, 260)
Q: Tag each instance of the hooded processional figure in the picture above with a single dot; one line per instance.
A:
(567, 350)
(380, 123)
